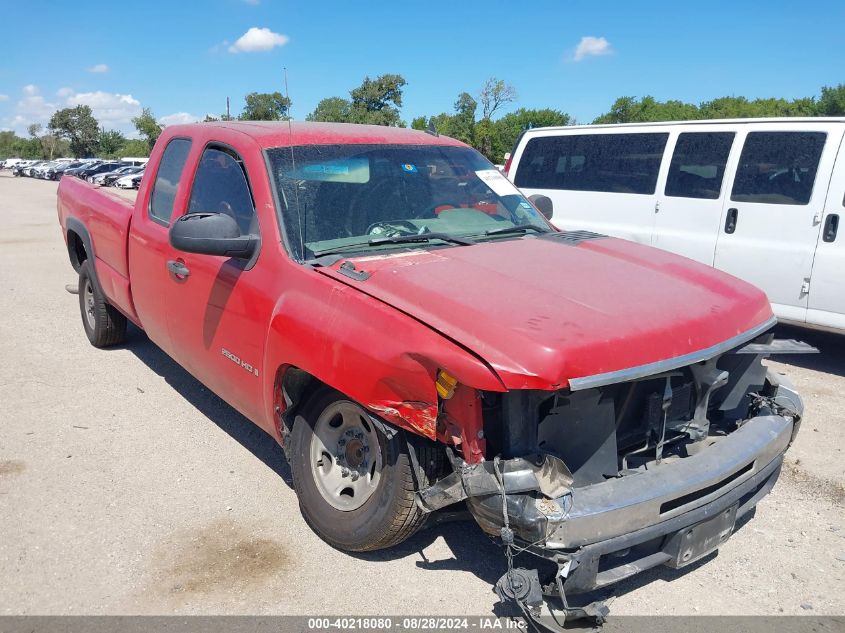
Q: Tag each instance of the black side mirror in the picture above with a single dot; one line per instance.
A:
(544, 205)
(211, 234)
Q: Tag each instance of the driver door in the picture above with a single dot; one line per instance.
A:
(217, 311)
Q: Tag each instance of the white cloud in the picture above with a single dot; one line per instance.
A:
(99, 68)
(590, 46)
(258, 39)
(111, 110)
(4, 97)
(178, 118)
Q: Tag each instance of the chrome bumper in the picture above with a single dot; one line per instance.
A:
(630, 504)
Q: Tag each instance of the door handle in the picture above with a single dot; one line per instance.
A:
(831, 227)
(178, 268)
(730, 221)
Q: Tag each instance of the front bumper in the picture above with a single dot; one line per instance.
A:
(623, 505)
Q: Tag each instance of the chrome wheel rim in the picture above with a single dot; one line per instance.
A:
(88, 302)
(345, 456)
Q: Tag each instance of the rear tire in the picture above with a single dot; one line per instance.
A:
(377, 510)
(104, 325)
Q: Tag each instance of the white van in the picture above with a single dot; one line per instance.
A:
(758, 198)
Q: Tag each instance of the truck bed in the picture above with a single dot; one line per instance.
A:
(106, 216)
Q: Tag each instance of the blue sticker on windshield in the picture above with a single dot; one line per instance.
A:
(411, 169)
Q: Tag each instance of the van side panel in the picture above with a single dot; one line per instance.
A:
(827, 298)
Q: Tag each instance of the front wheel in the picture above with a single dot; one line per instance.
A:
(356, 487)
(104, 324)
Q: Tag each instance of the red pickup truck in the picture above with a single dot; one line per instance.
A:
(415, 334)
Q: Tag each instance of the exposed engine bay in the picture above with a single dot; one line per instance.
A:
(608, 481)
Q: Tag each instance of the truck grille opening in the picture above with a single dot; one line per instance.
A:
(674, 504)
(621, 429)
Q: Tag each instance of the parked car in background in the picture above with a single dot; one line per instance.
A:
(108, 177)
(20, 167)
(98, 168)
(132, 181)
(758, 198)
(9, 163)
(83, 165)
(61, 169)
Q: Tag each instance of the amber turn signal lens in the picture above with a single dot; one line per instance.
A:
(445, 385)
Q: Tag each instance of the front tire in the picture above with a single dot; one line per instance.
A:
(104, 325)
(356, 487)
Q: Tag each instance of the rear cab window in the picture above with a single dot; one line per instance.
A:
(698, 165)
(778, 167)
(610, 163)
(168, 175)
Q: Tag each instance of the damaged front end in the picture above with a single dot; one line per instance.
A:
(607, 479)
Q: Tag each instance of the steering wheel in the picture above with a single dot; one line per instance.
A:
(392, 226)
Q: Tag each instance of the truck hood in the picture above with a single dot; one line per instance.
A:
(570, 310)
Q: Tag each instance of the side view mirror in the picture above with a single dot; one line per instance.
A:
(211, 234)
(544, 205)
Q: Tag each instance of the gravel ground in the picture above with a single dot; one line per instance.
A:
(126, 487)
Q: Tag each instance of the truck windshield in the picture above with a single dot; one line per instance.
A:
(351, 197)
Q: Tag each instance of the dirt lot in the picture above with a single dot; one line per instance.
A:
(126, 487)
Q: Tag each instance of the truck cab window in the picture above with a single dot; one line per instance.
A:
(698, 165)
(778, 167)
(220, 186)
(167, 180)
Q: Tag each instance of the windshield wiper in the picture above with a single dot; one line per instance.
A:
(421, 237)
(518, 228)
(397, 239)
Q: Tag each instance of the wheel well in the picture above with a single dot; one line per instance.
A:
(293, 387)
(76, 250)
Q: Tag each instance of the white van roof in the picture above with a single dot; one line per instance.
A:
(792, 119)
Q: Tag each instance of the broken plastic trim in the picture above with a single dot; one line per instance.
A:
(542, 473)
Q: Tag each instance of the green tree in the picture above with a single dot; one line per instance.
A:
(134, 147)
(494, 95)
(79, 127)
(266, 106)
(147, 127)
(507, 128)
(832, 101)
(110, 143)
(332, 110)
(374, 102)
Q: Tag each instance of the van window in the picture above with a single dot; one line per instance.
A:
(167, 180)
(778, 167)
(613, 163)
(220, 186)
(698, 164)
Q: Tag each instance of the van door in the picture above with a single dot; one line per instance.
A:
(689, 211)
(596, 180)
(827, 282)
(772, 216)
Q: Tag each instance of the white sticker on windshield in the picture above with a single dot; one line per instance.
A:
(500, 185)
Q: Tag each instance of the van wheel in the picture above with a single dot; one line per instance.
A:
(104, 324)
(355, 486)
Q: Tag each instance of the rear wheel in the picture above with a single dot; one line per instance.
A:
(104, 324)
(356, 487)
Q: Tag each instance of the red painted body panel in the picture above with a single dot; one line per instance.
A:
(542, 311)
(517, 313)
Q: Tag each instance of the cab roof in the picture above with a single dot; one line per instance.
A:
(283, 133)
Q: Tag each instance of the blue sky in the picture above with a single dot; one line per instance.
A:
(182, 58)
